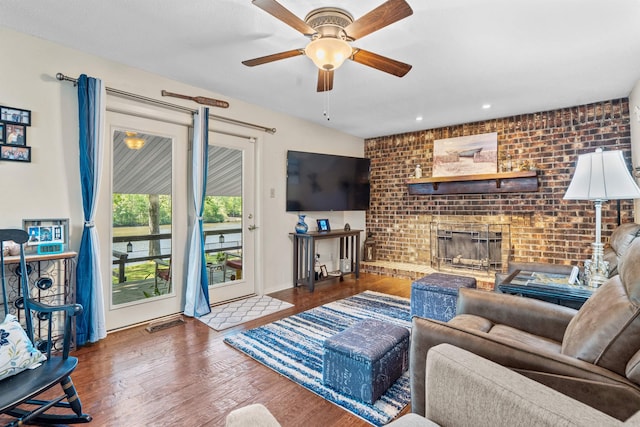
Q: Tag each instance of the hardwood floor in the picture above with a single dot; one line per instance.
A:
(186, 375)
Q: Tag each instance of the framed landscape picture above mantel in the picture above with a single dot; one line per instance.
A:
(465, 155)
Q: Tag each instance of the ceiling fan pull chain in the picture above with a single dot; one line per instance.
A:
(326, 99)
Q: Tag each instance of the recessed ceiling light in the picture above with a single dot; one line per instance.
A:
(419, 119)
(486, 106)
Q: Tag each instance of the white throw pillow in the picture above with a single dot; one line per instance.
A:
(17, 353)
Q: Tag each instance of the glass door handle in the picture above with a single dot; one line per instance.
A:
(252, 227)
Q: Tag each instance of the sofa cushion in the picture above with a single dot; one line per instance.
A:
(606, 330)
(508, 333)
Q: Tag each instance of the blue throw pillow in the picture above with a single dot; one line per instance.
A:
(17, 352)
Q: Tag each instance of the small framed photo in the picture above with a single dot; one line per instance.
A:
(15, 153)
(2, 128)
(46, 235)
(323, 271)
(323, 225)
(15, 135)
(15, 115)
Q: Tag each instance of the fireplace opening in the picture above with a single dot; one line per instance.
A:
(469, 246)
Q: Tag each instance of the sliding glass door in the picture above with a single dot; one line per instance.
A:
(148, 163)
(229, 217)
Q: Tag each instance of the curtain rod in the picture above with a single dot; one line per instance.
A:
(170, 105)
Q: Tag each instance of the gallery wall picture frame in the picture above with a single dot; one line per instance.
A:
(15, 153)
(2, 135)
(15, 134)
(15, 115)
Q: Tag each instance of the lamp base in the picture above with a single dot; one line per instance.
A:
(596, 270)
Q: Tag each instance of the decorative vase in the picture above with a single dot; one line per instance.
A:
(301, 226)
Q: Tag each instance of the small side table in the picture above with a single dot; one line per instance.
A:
(551, 287)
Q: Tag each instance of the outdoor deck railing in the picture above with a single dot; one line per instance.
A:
(121, 259)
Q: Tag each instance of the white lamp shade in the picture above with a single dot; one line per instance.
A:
(602, 175)
(328, 53)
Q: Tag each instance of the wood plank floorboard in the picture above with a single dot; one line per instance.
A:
(186, 376)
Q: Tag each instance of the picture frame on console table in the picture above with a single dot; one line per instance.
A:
(46, 236)
(323, 225)
(324, 273)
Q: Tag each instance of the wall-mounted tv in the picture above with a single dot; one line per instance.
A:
(324, 182)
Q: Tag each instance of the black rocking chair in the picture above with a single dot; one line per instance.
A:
(19, 393)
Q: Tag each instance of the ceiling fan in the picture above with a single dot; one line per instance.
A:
(331, 30)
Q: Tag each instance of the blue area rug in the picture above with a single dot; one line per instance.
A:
(293, 347)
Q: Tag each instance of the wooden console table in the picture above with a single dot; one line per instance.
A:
(304, 254)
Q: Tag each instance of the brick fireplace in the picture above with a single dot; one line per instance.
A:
(542, 226)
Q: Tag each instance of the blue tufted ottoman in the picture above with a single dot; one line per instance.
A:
(435, 295)
(365, 359)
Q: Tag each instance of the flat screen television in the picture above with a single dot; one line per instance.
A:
(324, 182)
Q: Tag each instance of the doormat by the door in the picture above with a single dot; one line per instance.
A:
(237, 312)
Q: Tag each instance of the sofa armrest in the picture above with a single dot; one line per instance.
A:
(584, 381)
(458, 383)
(526, 314)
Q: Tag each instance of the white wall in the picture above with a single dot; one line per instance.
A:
(634, 120)
(49, 187)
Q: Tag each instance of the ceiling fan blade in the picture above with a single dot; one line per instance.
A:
(383, 15)
(325, 80)
(380, 62)
(278, 11)
(275, 57)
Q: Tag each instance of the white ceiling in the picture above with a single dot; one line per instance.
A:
(519, 56)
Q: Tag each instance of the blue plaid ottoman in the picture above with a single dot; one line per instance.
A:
(435, 295)
(364, 360)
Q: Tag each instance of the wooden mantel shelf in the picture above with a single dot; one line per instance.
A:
(509, 182)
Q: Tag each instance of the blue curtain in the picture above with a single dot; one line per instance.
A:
(90, 325)
(197, 293)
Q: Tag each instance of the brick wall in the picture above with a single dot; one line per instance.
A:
(544, 227)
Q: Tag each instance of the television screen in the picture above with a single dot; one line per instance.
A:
(324, 182)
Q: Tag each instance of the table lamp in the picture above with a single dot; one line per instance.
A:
(600, 176)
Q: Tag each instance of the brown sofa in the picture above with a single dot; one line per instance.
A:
(463, 389)
(592, 355)
(618, 244)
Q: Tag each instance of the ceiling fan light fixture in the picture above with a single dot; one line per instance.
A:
(133, 142)
(328, 53)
